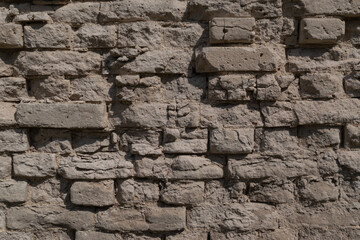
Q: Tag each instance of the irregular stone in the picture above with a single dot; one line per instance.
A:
(187, 193)
(136, 10)
(13, 140)
(50, 191)
(91, 35)
(319, 137)
(140, 34)
(166, 219)
(237, 116)
(77, 13)
(232, 141)
(352, 136)
(12, 88)
(52, 235)
(131, 192)
(21, 218)
(51, 140)
(5, 69)
(187, 114)
(56, 36)
(270, 30)
(324, 232)
(51, 88)
(273, 193)
(183, 88)
(185, 35)
(189, 235)
(234, 217)
(327, 112)
(190, 146)
(11, 35)
(33, 17)
(61, 115)
(36, 165)
(267, 88)
(5, 167)
(255, 167)
(318, 191)
(321, 85)
(99, 194)
(97, 166)
(169, 61)
(182, 167)
(352, 84)
(352, 31)
(148, 115)
(121, 219)
(91, 88)
(225, 59)
(58, 63)
(7, 114)
(12, 191)
(91, 142)
(232, 30)
(349, 160)
(231, 87)
(321, 30)
(278, 139)
(278, 114)
(140, 142)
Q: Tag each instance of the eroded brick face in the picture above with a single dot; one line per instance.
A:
(179, 119)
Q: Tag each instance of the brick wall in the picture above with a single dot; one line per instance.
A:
(179, 119)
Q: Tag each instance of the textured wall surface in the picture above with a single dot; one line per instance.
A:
(179, 120)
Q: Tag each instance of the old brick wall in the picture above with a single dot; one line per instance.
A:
(179, 119)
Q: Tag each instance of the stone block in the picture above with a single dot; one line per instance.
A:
(13, 140)
(140, 34)
(11, 35)
(183, 193)
(321, 85)
(135, 192)
(232, 30)
(12, 88)
(232, 141)
(12, 191)
(5, 167)
(34, 165)
(91, 35)
(77, 13)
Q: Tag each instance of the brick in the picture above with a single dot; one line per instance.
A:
(141, 34)
(58, 63)
(278, 114)
(5, 167)
(97, 166)
(349, 160)
(139, 115)
(61, 115)
(13, 140)
(225, 59)
(34, 165)
(7, 114)
(99, 194)
(232, 30)
(92, 235)
(134, 192)
(352, 136)
(190, 146)
(136, 10)
(191, 193)
(12, 191)
(33, 17)
(91, 88)
(91, 142)
(352, 84)
(77, 13)
(166, 219)
(95, 36)
(332, 8)
(50, 88)
(321, 30)
(51, 140)
(318, 137)
(268, 88)
(327, 112)
(15, 235)
(321, 85)
(56, 36)
(272, 193)
(232, 141)
(11, 36)
(185, 35)
(278, 139)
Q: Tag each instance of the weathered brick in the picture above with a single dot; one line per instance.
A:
(332, 8)
(190, 146)
(273, 193)
(13, 140)
(97, 166)
(95, 36)
(77, 13)
(327, 112)
(97, 194)
(7, 114)
(5, 167)
(221, 59)
(91, 88)
(321, 30)
(349, 160)
(352, 84)
(255, 167)
(352, 136)
(232, 30)
(61, 115)
(231, 141)
(33, 17)
(51, 140)
(318, 137)
(148, 115)
(91, 142)
(134, 192)
(50, 88)
(321, 85)
(268, 88)
(185, 35)
(35, 165)
(141, 34)
(12, 191)
(7, 235)
(11, 35)
(166, 219)
(278, 114)
(187, 193)
(277, 139)
(58, 62)
(173, 10)
(56, 36)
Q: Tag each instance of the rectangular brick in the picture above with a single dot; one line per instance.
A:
(352, 136)
(5, 167)
(12, 88)
(77, 13)
(13, 140)
(34, 165)
(11, 35)
(232, 30)
(321, 85)
(223, 59)
(7, 114)
(333, 8)
(232, 141)
(321, 30)
(95, 36)
(166, 219)
(61, 115)
(12, 191)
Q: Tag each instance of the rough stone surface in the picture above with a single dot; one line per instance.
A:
(179, 119)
